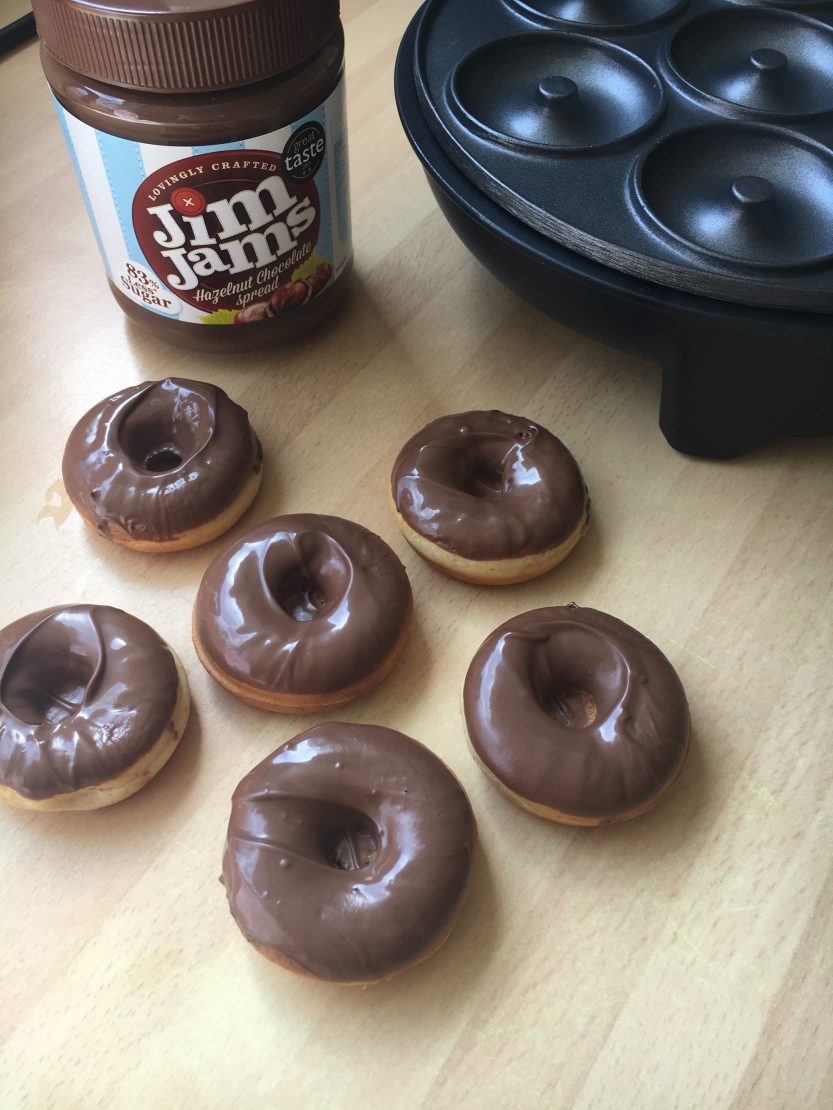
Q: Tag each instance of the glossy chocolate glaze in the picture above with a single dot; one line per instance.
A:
(160, 459)
(303, 604)
(487, 485)
(575, 710)
(348, 851)
(85, 691)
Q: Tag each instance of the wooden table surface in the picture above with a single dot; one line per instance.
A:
(682, 960)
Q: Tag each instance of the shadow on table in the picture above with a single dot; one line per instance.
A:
(572, 580)
(159, 803)
(673, 825)
(421, 999)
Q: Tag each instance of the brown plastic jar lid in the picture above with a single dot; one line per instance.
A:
(183, 45)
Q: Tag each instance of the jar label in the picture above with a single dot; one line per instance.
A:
(225, 234)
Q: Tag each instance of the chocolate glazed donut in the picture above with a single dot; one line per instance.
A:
(578, 716)
(348, 853)
(164, 465)
(92, 704)
(303, 613)
(488, 497)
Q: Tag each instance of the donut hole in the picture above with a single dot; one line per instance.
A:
(572, 706)
(167, 426)
(300, 597)
(307, 573)
(486, 482)
(348, 839)
(153, 446)
(48, 690)
(47, 677)
(352, 849)
(326, 832)
(481, 469)
(162, 459)
(577, 678)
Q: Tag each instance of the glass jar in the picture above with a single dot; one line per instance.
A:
(209, 140)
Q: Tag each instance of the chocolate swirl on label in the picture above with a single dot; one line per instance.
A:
(85, 691)
(575, 710)
(348, 852)
(487, 485)
(160, 459)
(303, 604)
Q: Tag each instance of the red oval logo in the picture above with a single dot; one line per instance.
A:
(224, 230)
(189, 202)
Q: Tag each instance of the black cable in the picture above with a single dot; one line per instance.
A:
(13, 34)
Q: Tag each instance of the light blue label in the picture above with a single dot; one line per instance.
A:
(223, 234)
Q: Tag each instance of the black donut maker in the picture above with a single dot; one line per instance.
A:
(657, 174)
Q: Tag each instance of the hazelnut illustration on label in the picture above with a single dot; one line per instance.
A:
(230, 231)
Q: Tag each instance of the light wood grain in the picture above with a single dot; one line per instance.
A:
(683, 960)
(10, 10)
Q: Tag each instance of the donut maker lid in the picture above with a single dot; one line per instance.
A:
(687, 142)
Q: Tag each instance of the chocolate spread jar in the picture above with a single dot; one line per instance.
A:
(209, 140)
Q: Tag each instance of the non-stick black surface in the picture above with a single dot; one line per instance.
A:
(688, 143)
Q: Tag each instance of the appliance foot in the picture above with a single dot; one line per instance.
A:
(722, 396)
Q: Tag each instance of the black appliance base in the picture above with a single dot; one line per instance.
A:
(734, 376)
(722, 395)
